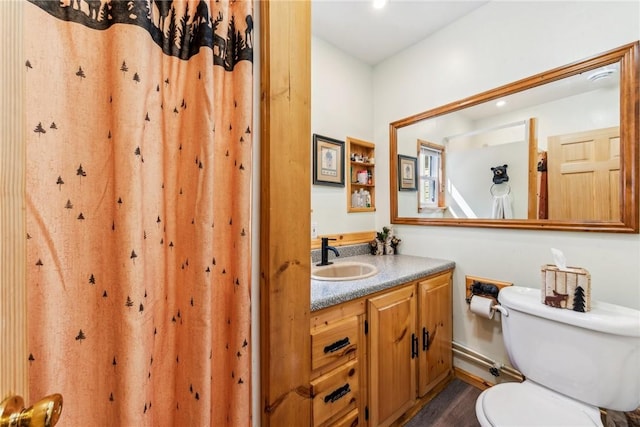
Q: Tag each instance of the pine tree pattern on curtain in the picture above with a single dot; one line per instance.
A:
(138, 209)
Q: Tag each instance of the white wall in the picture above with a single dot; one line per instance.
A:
(496, 44)
(469, 179)
(341, 106)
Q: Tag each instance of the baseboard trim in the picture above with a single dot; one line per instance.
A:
(472, 380)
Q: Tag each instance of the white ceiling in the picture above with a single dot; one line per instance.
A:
(373, 35)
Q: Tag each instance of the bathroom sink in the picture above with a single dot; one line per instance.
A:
(344, 271)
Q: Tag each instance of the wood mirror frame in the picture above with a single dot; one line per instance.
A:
(627, 57)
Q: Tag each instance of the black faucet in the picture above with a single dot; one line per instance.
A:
(325, 251)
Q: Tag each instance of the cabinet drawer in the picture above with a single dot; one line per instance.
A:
(336, 341)
(349, 420)
(335, 392)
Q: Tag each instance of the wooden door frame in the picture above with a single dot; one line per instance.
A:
(285, 212)
(13, 242)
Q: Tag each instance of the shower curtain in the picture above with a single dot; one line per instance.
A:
(138, 209)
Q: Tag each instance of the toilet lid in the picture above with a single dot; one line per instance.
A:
(518, 404)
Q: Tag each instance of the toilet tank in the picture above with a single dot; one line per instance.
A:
(593, 357)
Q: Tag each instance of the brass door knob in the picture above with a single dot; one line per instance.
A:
(44, 413)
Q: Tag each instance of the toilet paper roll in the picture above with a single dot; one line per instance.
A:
(481, 306)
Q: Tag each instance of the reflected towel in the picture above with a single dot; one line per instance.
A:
(502, 207)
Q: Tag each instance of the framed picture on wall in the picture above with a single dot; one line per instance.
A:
(328, 161)
(407, 173)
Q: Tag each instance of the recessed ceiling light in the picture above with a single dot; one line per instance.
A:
(379, 4)
(600, 74)
(501, 103)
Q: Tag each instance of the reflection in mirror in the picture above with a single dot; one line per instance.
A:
(431, 176)
(557, 136)
(467, 184)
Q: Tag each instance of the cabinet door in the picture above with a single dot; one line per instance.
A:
(435, 331)
(393, 346)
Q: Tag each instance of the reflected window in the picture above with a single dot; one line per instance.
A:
(430, 176)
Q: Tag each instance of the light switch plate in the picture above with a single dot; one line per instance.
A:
(314, 230)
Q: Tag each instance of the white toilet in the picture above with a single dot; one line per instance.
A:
(574, 363)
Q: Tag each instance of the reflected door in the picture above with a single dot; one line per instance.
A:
(584, 175)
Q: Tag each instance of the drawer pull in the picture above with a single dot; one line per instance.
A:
(337, 394)
(337, 345)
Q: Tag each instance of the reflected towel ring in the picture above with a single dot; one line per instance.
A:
(493, 192)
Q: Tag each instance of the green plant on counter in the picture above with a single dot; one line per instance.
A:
(385, 243)
(383, 235)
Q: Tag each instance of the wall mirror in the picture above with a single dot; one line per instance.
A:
(567, 139)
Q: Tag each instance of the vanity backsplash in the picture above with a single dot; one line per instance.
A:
(345, 251)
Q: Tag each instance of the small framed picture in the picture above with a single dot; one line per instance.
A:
(407, 173)
(328, 161)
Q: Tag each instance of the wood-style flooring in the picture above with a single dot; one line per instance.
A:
(453, 407)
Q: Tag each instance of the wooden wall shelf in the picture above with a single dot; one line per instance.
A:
(360, 157)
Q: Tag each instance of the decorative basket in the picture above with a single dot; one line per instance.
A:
(567, 288)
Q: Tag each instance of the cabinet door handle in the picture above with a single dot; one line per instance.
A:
(425, 339)
(337, 393)
(414, 346)
(337, 345)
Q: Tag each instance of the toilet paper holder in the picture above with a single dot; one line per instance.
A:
(501, 309)
(475, 285)
(483, 289)
(485, 304)
(487, 290)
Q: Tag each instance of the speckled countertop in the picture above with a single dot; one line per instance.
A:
(393, 270)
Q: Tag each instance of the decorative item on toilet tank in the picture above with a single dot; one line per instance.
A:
(569, 287)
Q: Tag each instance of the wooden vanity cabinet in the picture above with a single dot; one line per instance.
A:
(435, 331)
(393, 349)
(390, 348)
(337, 371)
(410, 336)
